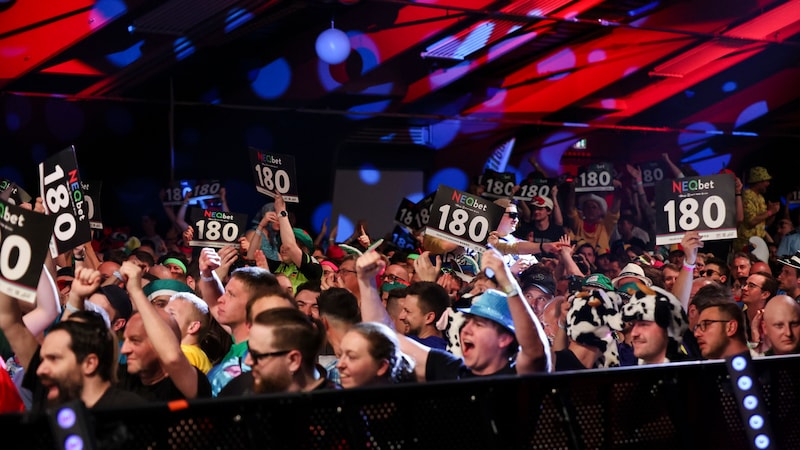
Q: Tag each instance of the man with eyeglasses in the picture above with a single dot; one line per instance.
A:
(282, 352)
(346, 277)
(396, 273)
(719, 330)
(756, 291)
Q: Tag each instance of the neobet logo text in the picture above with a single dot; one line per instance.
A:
(681, 186)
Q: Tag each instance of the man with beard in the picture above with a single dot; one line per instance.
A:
(282, 352)
(78, 361)
(720, 328)
(423, 306)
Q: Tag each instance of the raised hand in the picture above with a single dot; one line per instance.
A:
(280, 203)
(188, 234)
(427, 271)
(691, 242)
(369, 265)
(261, 259)
(208, 261)
(86, 281)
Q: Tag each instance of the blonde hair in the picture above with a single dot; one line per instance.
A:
(504, 202)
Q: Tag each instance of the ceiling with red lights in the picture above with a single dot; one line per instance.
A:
(706, 81)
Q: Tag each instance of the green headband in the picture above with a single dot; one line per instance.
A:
(175, 261)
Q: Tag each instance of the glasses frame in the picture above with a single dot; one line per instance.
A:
(512, 215)
(257, 357)
(704, 272)
(394, 278)
(751, 285)
(703, 324)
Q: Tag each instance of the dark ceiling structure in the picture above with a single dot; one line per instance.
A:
(715, 79)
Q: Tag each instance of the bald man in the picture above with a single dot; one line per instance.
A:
(781, 325)
(760, 266)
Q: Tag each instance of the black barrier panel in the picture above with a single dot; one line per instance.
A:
(681, 405)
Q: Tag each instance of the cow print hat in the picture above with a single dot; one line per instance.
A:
(654, 304)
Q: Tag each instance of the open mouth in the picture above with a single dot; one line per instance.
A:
(467, 346)
(52, 392)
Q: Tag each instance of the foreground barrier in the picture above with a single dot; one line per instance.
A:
(683, 405)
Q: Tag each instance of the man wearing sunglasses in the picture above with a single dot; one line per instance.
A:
(508, 224)
(717, 270)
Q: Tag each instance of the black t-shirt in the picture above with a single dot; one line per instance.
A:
(566, 360)
(238, 386)
(243, 384)
(163, 391)
(443, 365)
(552, 234)
(115, 397)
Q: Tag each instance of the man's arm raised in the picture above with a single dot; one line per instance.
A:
(368, 266)
(165, 338)
(534, 354)
(683, 284)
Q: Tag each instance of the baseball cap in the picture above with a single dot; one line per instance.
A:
(541, 281)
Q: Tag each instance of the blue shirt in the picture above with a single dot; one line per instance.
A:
(230, 367)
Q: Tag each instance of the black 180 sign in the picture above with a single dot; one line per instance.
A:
(653, 172)
(462, 218)
(197, 190)
(24, 236)
(64, 199)
(406, 213)
(274, 172)
(497, 184)
(704, 204)
(534, 187)
(422, 214)
(216, 228)
(595, 177)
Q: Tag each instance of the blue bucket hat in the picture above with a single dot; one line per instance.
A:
(492, 305)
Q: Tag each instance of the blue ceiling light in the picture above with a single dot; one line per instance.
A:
(236, 18)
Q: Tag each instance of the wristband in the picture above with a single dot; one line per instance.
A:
(738, 194)
(202, 278)
(78, 258)
(118, 276)
(689, 267)
(71, 308)
(510, 292)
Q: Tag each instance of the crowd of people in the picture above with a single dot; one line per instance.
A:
(566, 283)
